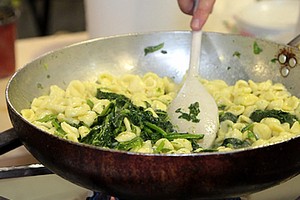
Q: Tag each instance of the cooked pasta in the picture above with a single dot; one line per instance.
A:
(72, 113)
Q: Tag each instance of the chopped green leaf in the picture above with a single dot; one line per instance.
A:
(256, 48)
(283, 117)
(152, 49)
(39, 86)
(235, 143)
(274, 60)
(194, 111)
(228, 116)
(237, 54)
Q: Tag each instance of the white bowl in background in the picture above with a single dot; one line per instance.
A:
(275, 20)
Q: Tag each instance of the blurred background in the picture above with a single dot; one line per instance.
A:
(46, 17)
(277, 20)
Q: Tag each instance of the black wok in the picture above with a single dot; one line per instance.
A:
(147, 176)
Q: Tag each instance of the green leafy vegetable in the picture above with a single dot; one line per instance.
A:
(194, 111)
(283, 117)
(237, 54)
(228, 116)
(110, 123)
(152, 49)
(256, 48)
(235, 143)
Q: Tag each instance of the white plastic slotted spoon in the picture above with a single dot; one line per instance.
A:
(192, 93)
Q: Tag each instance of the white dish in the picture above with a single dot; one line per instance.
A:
(269, 19)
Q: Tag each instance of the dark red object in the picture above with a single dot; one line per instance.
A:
(7, 41)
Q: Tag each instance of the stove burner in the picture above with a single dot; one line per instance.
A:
(102, 196)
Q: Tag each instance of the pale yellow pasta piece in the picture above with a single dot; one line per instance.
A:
(140, 99)
(182, 151)
(137, 130)
(41, 113)
(226, 125)
(224, 149)
(262, 104)
(56, 91)
(238, 125)
(76, 89)
(166, 144)
(83, 131)
(127, 124)
(260, 142)
(134, 83)
(100, 105)
(71, 137)
(71, 132)
(61, 118)
(152, 112)
(154, 86)
(265, 86)
(170, 86)
(222, 100)
(241, 87)
(296, 128)
(106, 79)
(249, 110)
(246, 99)
(88, 118)
(46, 125)
(234, 133)
(158, 105)
(215, 86)
(145, 148)
(268, 96)
(28, 114)
(182, 143)
(281, 137)
(276, 104)
(125, 136)
(263, 131)
(76, 111)
(290, 103)
(38, 103)
(244, 119)
(236, 109)
(166, 99)
(253, 85)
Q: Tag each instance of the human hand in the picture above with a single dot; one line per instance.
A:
(200, 14)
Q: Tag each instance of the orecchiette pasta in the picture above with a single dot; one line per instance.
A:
(76, 108)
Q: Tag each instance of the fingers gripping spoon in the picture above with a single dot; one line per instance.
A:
(194, 110)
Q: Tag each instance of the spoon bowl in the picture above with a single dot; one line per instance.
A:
(194, 110)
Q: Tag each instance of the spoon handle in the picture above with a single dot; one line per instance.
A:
(195, 48)
(195, 53)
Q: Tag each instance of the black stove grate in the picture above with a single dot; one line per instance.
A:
(102, 196)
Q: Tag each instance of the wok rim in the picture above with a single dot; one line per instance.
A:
(27, 65)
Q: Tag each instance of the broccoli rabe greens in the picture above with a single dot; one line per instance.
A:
(256, 116)
(144, 125)
(128, 112)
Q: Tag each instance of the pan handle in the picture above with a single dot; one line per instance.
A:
(9, 140)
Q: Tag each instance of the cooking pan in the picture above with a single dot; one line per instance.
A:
(128, 175)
